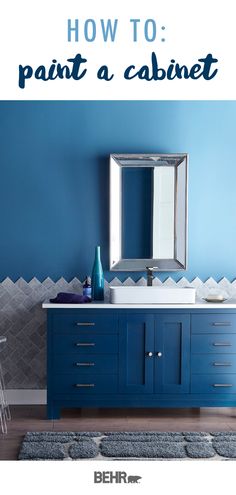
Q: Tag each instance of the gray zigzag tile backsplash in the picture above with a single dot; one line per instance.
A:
(23, 321)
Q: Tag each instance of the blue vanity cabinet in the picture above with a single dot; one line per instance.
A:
(140, 357)
(172, 354)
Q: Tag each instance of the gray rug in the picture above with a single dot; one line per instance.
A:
(146, 445)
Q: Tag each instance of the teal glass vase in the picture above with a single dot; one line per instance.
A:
(97, 277)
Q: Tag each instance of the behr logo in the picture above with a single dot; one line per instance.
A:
(115, 477)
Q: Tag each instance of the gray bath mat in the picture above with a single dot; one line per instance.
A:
(144, 445)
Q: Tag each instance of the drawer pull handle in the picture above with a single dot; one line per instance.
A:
(80, 385)
(222, 344)
(84, 364)
(222, 364)
(222, 385)
(221, 324)
(85, 324)
(85, 344)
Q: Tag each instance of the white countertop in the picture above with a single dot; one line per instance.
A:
(199, 304)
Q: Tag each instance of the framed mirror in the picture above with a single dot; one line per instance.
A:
(148, 212)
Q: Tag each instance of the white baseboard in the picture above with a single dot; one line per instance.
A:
(26, 396)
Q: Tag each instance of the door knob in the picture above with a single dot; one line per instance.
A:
(149, 354)
(159, 354)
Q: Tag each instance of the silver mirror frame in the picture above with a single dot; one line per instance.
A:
(117, 263)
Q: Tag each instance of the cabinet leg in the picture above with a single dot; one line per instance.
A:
(196, 410)
(53, 411)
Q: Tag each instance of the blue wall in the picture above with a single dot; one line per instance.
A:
(54, 180)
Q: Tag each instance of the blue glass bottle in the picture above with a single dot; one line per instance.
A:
(87, 289)
(97, 277)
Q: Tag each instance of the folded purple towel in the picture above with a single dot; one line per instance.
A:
(70, 298)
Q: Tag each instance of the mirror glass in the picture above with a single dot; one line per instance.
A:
(148, 212)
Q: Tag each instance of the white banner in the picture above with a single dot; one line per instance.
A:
(104, 50)
(103, 478)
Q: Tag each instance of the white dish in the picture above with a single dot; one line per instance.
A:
(211, 300)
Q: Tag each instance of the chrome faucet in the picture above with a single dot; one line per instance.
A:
(150, 275)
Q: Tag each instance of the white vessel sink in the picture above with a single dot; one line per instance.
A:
(152, 295)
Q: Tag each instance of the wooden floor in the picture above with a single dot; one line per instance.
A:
(33, 418)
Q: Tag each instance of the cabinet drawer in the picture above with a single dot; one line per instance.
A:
(213, 343)
(78, 385)
(213, 363)
(213, 383)
(213, 323)
(90, 343)
(85, 364)
(84, 322)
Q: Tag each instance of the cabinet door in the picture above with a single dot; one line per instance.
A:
(136, 342)
(172, 354)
